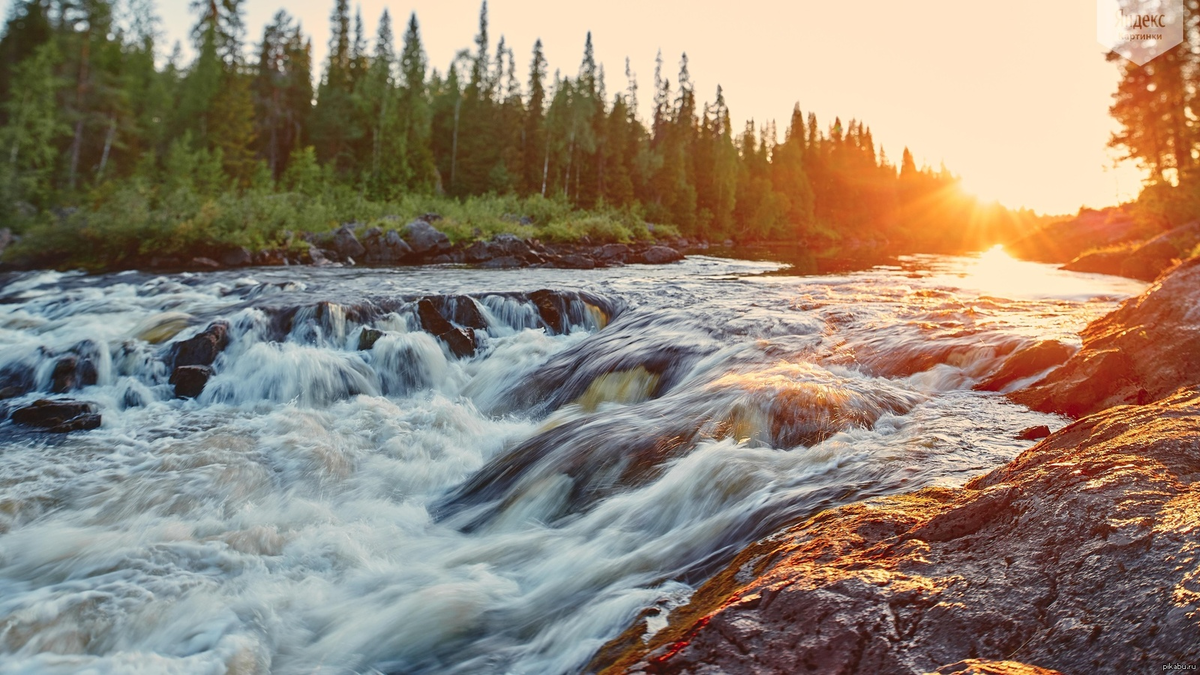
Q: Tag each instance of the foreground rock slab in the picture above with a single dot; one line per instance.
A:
(1081, 556)
(1145, 350)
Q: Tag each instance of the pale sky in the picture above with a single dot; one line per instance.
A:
(1013, 95)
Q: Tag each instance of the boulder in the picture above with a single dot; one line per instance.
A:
(460, 343)
(1078, 556)
(61, 416)
(346, 244)
(1145, 350)
(478, 252)
(238, 257)
(1026, 362)
(574, 261)
(424, 238)
(1034, 433)
(367, 339)
(202, 349)
(610, 253)
(661, 255)
(189, 381)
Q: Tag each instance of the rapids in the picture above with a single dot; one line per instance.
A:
(321, 508)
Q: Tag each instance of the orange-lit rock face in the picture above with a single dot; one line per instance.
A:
(1140, 353)
(1080, 556)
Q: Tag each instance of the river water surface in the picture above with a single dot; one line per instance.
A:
(325, 509)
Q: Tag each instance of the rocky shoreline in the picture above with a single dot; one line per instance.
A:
(1078, 556)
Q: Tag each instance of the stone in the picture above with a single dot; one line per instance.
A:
(204, 263)
(1034, 433)
(367, 339)
(238, 257)
(272, 257)
(460, 343)
(478, 252)
(613, 253)
(58, 416)
(503, 262)
(189, 381)
(346, 243)
(1026, 362)
(202, 349)
(424, 238)
(574, 261)
(661, 255)
(1145, 350)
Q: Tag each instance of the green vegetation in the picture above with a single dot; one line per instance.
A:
(107, 158)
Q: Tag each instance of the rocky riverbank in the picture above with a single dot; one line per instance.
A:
(1079, 556)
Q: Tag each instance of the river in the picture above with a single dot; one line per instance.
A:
(325, 509)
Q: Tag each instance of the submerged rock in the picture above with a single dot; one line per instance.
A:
(1078, 556)
(367, 338)
(1145, 350)
(58, 416)
(1026, 363)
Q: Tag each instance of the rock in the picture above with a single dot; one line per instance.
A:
(62, 416)
(552, 309)
(367, 339)
(238, 257)
(62, 378)
(503, 262)
(189, 381)
(424, 238)
(272, 257)
(1145, 350)
(441, 259)
(1145, 261)
(1034, 433)
(574, 261)
(512, 245)
(1077, 556)
(1149, 260)
(1026, 363)
(10, 392)
(478, 252)
(661, 255)
(316, 257)
(346, 243)
(460, 344)
(204, 263)
(613, 253)
(985, 667)
(385, 248)
(202, 349)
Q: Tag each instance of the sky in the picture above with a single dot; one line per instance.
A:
(1012, 95)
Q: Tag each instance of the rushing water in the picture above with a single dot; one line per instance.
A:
(325, 509)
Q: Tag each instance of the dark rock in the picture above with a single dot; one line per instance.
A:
(551, 308)
(10, 392)
(460, 344)
(1071, 557)
(613, 253)
(346, 243)
(441, 259)
(512, 245)
(503, 262)
(460, 309)
(63, 377)
(1145, 350)
(478, 252)
(205, 263)
(1034, 433)
(189, 381)
(1026, 363)
(367, 338)
(58, 416)
(272, 257)
(316, 257)
(661, 255)
(574, 261)
(202, 349)
(18, 379)
(238, 257)
(424, 238)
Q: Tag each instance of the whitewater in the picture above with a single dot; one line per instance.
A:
(336, 504)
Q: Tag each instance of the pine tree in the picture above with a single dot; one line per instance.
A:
(414, 113)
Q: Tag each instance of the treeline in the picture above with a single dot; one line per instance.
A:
(240, 141)
(1156, 107)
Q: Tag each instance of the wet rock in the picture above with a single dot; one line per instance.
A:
(610, 253)
(1142, 352)
(367, 339)
(316, 257)
(238, 257)
(346, 243)
(551, 308)
(1026, 363)
(63, 378)
(986, 667)
(384, 247)
(189, 381)
(661, 255)
(460, 309)
(17, 379)
(1034, 433)
(202, 349)
(460, 344)
(574, 261)
(61, 416)
(424, 238)
(272, 257)
(478, 252)
(1077, 556)
(512, 245)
